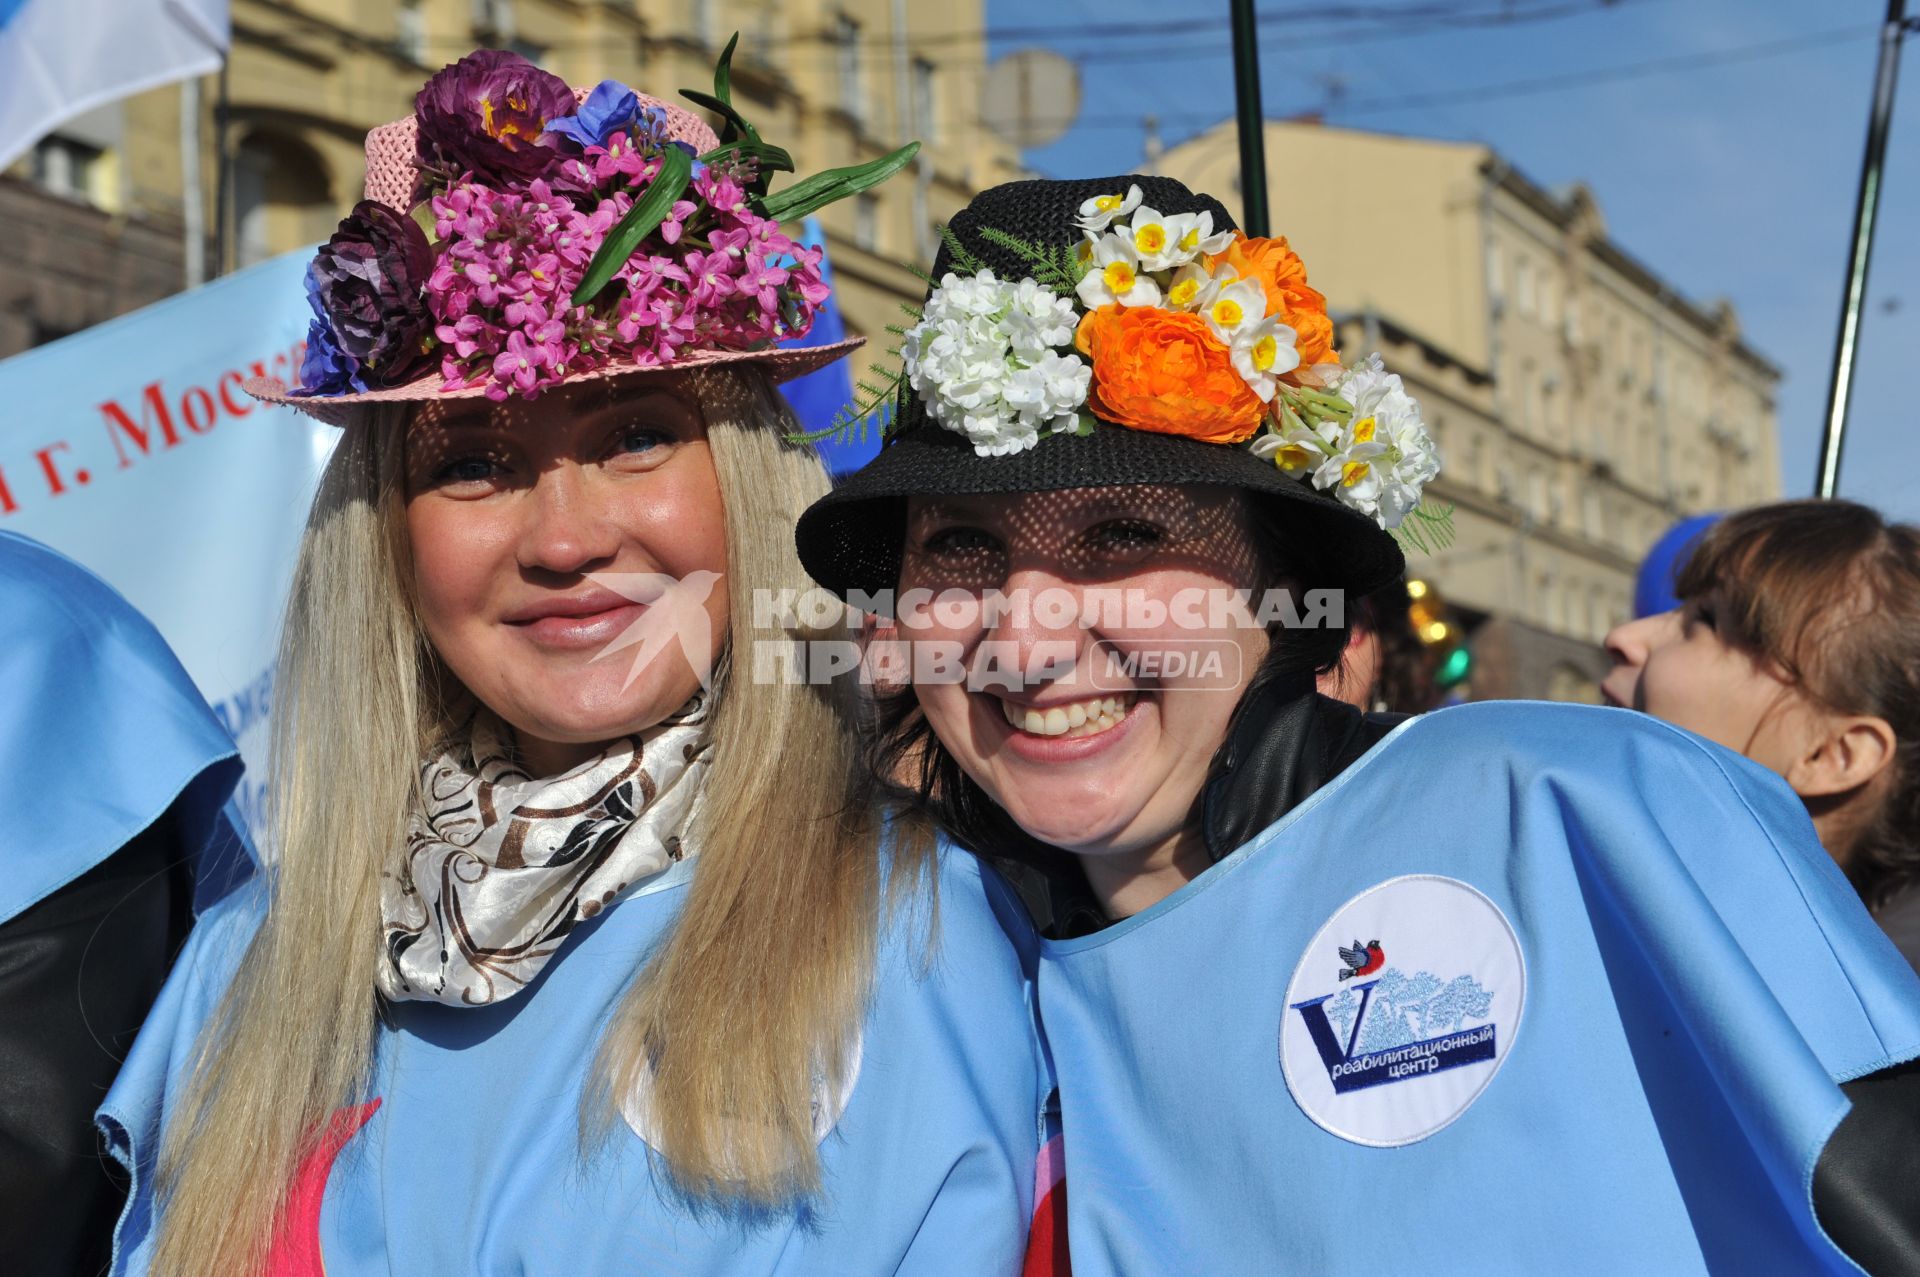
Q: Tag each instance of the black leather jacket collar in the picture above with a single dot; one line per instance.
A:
(1286, 741)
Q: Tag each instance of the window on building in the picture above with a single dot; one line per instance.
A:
(71, 169)
(282, 197)
(866, 221)
(1523, 285)
(1495, 284)
(493, 19)
(706, 24)
(846, 47)
(926, 112)
(1537, 495)
(410, 29)
(534, 53)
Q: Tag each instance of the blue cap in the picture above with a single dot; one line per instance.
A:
(1653, 588)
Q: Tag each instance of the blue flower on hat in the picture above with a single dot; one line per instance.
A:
(325, 369)
(611, 108)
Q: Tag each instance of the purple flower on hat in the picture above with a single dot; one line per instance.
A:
(611, 108)
(488, 113)
(366, 283)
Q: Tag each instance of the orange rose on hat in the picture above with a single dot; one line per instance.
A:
(1283, 276)
(1165, 371)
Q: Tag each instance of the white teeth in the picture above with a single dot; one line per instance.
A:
(1081, 718)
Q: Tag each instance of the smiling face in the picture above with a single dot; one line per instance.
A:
(514, 508)
(1093, 737)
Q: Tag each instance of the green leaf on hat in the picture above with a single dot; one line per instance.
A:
(651, 209)
(737, 125)
(1426, 529)
(816, 192)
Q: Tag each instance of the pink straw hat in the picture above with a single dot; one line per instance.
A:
(394, 181)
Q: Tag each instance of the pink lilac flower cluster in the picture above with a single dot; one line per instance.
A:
(714, 275)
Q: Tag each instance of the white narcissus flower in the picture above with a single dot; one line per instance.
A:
(1116, 276)
(1099, 212)
(1237, 307)
(1155, 238)
(1387, 436)
(1192, 288)
(1297, 449)
(984, 360)
(1192, 237)
(1263, 353)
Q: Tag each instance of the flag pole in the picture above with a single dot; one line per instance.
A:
(1252, 118)
(193, 195)
(223, 175)
(1866, 205)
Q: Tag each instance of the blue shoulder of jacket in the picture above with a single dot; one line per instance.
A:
(1544, 736)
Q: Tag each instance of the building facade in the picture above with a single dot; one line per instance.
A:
(1581, 405)
(107, 227)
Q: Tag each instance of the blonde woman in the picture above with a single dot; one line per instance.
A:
(568, 964)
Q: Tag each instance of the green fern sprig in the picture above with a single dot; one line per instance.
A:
(1048, 270)
(1426, 529)
(963, 259)
(872, 393)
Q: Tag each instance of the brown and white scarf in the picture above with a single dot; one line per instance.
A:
(500, 866)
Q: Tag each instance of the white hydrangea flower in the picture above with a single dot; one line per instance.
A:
(984, 359)
(1099, 212)
(1385, 456)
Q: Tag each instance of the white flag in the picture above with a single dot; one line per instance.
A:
(59, 58)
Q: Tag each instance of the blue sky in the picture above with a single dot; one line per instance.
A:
(1729, 165)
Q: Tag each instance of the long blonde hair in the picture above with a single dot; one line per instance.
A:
(752, 1001)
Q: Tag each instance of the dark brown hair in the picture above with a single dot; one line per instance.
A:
(1827, 595)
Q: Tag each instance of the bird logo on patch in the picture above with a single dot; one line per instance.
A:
(1362, 959)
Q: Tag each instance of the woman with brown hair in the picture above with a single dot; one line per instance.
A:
(1797, 644)
(1501, 989)
(564, 964)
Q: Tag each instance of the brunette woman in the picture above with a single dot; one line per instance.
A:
(1797, 644)
(1502, 989)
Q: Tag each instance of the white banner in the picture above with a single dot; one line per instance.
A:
(131, 448)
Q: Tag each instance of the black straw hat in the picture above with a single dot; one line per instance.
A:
(851, 539)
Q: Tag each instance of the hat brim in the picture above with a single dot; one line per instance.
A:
(850, 540)
(780, 363)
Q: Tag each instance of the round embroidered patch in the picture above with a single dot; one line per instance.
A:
(1401, 1010)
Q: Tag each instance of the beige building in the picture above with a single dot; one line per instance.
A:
(1581, 405)
(104, 224)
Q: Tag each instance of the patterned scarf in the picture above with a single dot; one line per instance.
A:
(500, 866)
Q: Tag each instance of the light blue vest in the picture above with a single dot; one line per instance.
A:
(471, 1163)
(1528, 989)
(101, 732)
